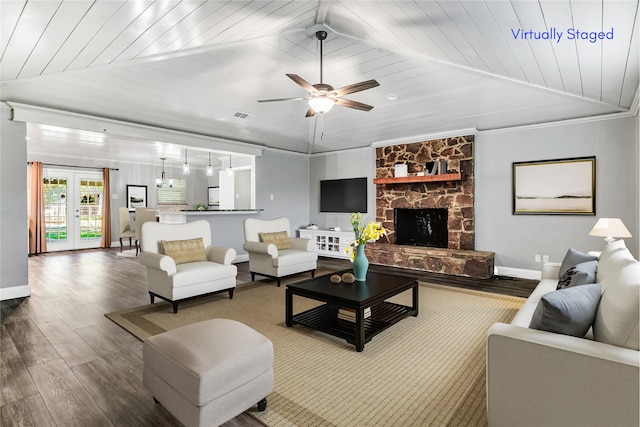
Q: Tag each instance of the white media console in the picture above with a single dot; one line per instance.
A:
(329, 243)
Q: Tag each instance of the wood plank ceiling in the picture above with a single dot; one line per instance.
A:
(192, 65)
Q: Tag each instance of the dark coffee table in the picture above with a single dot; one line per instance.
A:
(356, 296)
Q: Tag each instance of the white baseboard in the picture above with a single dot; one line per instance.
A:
(241, 258)
(520, 273)
(15, 292)
(125, 244)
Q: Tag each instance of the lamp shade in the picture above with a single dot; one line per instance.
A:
(609, 228)
(321, 104)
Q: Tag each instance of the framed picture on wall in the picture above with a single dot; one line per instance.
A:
(562, 186)
(213, 196)
(136, 197)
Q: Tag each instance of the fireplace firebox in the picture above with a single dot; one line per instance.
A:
(421, 227)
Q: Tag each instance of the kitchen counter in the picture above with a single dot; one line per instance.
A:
(181, 215)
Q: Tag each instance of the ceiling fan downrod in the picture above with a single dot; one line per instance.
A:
(321, 35)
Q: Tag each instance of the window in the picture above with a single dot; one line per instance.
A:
(90, 209)
(176, 195)
(55, 208)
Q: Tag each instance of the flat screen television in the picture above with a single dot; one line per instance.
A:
(343, 195)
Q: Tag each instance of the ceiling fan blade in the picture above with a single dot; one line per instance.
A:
(284, 99)
(302, 82)
(356, 87)
(353, 104)
(310, 112)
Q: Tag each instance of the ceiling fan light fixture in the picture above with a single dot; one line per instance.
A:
(321, 105)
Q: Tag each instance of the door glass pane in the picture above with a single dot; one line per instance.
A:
(90, 209)
(55, 209)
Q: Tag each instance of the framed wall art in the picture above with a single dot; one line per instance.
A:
(136, 197)
(562, 186)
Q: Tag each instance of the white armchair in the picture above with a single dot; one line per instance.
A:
(273, 253)
(180, 266)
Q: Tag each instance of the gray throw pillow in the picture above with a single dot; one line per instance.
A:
(572, 258)
(580, 274)
(569, 311)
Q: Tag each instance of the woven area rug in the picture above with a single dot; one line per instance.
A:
(427, 370)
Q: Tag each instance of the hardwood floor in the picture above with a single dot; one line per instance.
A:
(63, 363)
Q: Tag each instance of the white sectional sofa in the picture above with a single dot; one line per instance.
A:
(539, 378)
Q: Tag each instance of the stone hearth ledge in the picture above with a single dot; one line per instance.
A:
(458, 262)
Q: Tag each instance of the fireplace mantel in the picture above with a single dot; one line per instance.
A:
(415, 178)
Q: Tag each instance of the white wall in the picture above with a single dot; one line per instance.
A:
(344, 164)
(517, 238)
(14, 274)
(294, 182)
(637, 215)
(145, 174)
(283, 175)
(282, 188)
(286, 177)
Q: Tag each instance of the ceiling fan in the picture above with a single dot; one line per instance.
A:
(322, 97)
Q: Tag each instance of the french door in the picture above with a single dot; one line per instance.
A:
(73, 209)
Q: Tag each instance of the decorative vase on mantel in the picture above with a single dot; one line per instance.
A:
(360, 264)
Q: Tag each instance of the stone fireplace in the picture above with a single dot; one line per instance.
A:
(455, 196)
(451, 199)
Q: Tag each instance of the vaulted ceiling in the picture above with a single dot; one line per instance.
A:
(201, 66)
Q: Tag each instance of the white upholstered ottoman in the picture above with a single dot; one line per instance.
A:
(209, 372)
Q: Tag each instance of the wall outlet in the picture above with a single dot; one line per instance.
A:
(545, 258)
(537, 257)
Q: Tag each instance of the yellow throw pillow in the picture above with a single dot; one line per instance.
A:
(183, 251)
(279, 238)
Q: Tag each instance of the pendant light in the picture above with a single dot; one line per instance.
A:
(209, 168)
(229, 170)
(162, 181)
(185, 167)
